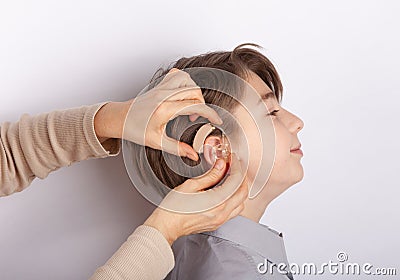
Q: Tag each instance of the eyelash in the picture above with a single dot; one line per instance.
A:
(273, 113)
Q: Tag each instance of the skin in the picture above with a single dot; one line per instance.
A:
(145, 117)
(110, 120)
(287, 169)
(174, 225)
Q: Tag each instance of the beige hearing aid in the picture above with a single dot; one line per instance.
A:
(220, 151)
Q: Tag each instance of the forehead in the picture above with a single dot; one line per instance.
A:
(258, 84)
(257, 95)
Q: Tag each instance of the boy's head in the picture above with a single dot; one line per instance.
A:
(258, 71)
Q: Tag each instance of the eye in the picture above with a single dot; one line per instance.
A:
(273, 113)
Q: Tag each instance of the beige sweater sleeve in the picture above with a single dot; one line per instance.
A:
(145, 255)
(37, 145)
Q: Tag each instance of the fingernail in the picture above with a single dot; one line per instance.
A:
(192, 156)
(220, 164)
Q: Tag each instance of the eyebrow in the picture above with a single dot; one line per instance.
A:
(268, 95)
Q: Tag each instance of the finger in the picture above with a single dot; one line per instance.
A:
(170, 74)
(178, 148)
(239, 196)
(191, 92)
(211, 178)
(176, 78)
(235, 204)
(190, 107)
(178, 94)
(236, 174)
(236, 211)
(193, 117)
(233, 182)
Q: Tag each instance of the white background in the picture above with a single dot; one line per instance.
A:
(339, 64)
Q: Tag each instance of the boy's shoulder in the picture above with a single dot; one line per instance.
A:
(201, 256)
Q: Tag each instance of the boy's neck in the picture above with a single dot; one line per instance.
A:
(254, 208)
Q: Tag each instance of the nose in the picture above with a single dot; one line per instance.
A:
(296, 124)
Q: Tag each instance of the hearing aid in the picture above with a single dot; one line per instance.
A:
(221, 151)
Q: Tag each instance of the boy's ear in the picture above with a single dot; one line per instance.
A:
(209, 148)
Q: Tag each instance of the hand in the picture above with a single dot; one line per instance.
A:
(147, 115)
(173, 225)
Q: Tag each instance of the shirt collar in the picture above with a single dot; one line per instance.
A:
(260, 238)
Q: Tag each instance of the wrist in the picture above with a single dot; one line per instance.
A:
(109, 120)
(158, 223)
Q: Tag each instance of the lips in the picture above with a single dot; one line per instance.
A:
(297, 150)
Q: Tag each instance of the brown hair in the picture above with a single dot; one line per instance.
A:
(238, 62)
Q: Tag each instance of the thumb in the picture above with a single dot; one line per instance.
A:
(178, 148)
(212, 177)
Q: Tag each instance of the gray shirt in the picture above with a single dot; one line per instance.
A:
(239, 249)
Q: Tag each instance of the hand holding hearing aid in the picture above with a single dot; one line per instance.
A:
(148, 115)
(173, 225)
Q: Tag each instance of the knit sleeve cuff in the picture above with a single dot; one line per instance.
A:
(158, 239)
(146, 254)
(110, 147)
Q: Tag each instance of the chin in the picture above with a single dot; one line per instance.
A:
(299, 176)
(295, 178)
